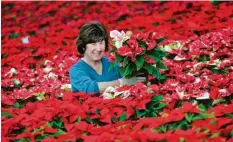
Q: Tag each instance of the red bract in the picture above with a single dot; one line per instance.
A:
(149, 59)
(151, 44)
(214, 93)
(139, 90)
(138, 51)
(125, 51)
(36, 58)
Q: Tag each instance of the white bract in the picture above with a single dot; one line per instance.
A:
(25, 40)
(66, 86)
(47, 69)
(52, 75)
(178, 58)
(119, 37)
(12, 72)
(108, 93)
(16, 81)
(111, 93)
(205, 95)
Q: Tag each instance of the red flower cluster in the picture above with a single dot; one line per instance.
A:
(38, 48)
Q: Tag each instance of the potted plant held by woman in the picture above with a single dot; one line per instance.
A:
(138, 55)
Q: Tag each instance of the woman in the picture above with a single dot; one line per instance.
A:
(91, 73)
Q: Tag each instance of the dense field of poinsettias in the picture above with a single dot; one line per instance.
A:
(194, 102)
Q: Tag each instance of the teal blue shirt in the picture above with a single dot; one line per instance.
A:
(84, 78)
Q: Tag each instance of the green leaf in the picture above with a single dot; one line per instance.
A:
(160, 65)
(160, 40)
(7, 114)
(153, 114)
(189, 116)
(139, 62)
(214, 70)
(14, 35)
(18, 85)
(219, 71)
(143, 45)
(161, 52)
(163, 77)
(156, 73)
(161, 105)
(17, 105)
(140, 113)
(56, 123)
(182, 125)
(123, 117)
(41, 96)
(154, 54)
(113, 64)
(112, 50)
(88, 119)
(129, 69)
(125, 62)
(157, 98)
(215, 2)
(119, 58)
(149, 68)
(23, 140)
(41, 137)
(97, 111)
(122, 71)
(204, 58)
(216, 134)
(230, 115)
(218, 101)
(163, 128)
(151, 105)
(202, 107)
(58, 133)
(78, 120)
(156, 24)
(203, 116)
(4, 55)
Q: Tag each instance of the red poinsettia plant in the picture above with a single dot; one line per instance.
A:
(138, 54)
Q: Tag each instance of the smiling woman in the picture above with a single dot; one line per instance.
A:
(91, 73)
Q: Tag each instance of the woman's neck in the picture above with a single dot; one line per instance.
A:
(96, 65)
(92, 63)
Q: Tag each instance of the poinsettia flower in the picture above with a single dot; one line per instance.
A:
(47, 69)
(119, 37)
(167, 48)
(25, 40)
(125, 51)
(180, 58)
(16, 81)
(138, 51)
(66, 86)
(109, 93)
(203, 96)
(52, 75)
(151, 45)
(12, 72)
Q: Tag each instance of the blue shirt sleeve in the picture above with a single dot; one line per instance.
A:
(81, 82)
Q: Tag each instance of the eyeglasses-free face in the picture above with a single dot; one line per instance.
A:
(94, 51)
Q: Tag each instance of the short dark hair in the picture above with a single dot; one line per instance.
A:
(90, 33)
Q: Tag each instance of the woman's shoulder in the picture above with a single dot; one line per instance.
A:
(106, 60)
(79, 65)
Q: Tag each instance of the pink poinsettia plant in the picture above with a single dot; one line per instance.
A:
(137, 54)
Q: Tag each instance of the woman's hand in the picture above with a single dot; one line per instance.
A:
(131, 81)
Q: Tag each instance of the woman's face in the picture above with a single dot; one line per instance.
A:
(95, 51)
